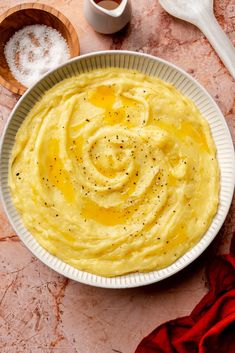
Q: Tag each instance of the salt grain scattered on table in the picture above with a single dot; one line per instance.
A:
(34, 50)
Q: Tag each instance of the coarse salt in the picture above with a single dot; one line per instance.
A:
(34, 50)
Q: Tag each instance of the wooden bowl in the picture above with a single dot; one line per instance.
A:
(29, 14)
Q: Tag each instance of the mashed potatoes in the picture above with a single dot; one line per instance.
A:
(115, 172)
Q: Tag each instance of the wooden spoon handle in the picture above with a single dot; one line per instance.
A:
(219, 40)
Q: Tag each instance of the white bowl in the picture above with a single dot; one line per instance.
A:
(154, 67)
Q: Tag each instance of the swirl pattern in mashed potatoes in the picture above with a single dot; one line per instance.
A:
(115, 172)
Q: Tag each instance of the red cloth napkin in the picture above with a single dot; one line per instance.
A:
(210, 328)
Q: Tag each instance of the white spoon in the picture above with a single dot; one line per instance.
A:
(200, 13)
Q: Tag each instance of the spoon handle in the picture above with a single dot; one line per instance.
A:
(219, 40)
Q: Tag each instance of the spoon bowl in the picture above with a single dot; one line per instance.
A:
(187, 10)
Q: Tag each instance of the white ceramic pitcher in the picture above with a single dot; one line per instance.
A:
(107, 21)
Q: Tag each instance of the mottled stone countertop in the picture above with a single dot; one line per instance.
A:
(43, 312)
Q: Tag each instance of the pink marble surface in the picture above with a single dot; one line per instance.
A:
(43, 312)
